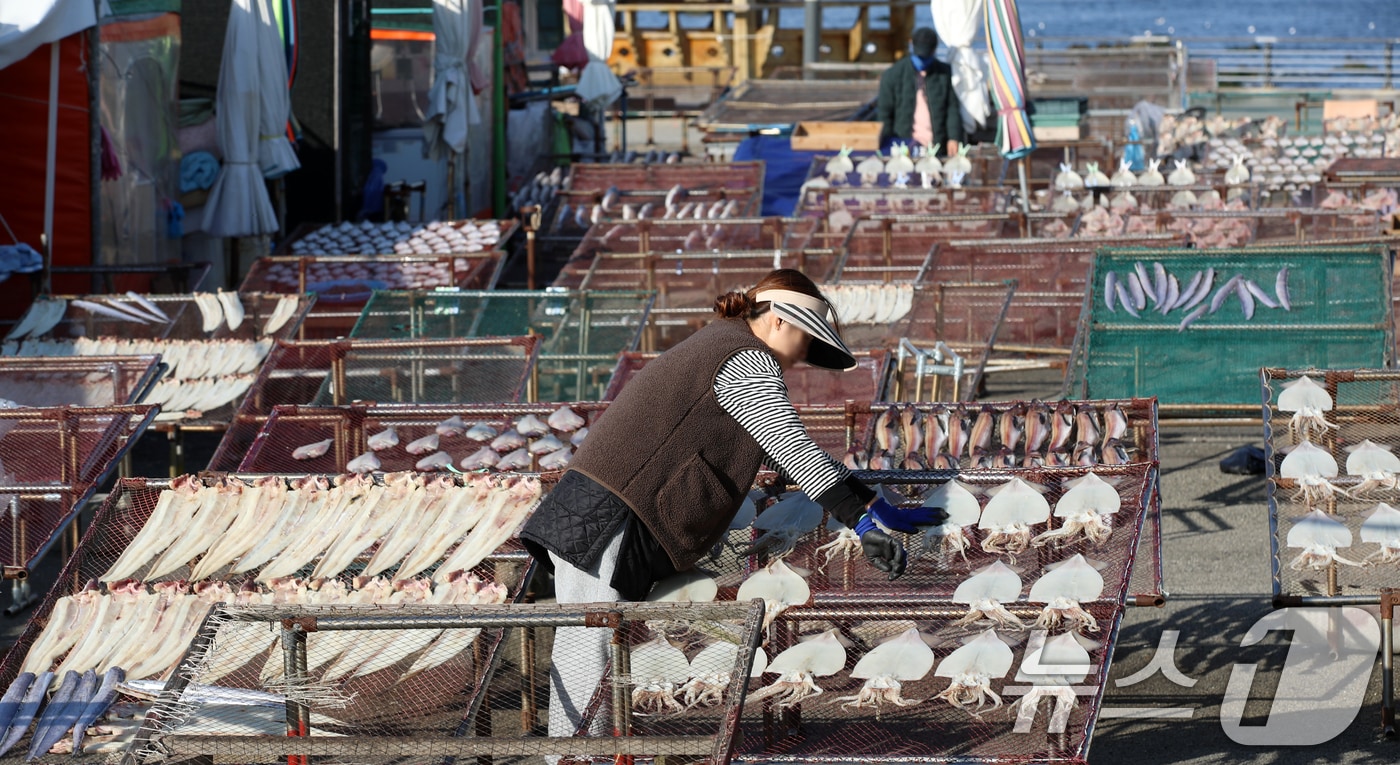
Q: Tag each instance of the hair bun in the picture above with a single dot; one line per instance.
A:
(732, 305)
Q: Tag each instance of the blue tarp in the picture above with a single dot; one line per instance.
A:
(783, 173)
(785, 169)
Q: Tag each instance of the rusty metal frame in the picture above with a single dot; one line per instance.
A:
(297, 621)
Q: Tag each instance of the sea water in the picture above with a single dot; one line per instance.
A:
(1350, 19)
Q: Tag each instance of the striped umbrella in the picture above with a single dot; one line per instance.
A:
(1014, 136)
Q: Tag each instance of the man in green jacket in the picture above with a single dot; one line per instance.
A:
(917, 101)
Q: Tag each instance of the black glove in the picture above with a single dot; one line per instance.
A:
(884, 552)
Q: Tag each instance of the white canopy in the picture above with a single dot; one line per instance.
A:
(451, 103)
(957, 22)
(238, 203)
(27, 24)
(597, 85)
(275, 154)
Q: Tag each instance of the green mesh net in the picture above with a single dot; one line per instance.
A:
(582, 331)
(1339, 315)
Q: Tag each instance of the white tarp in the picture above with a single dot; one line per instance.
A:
(957, 22)
(275, 154)
(238, 204)
(597, 85)
(451, 102)
(27, 24)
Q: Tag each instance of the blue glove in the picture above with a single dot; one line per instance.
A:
(904, 519)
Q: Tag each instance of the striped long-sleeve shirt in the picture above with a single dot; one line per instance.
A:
(750, 387)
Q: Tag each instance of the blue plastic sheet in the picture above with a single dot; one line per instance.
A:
(784, 170)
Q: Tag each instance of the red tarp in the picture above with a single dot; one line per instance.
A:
(24, 104)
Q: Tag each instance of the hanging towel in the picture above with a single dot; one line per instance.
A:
(197, 171)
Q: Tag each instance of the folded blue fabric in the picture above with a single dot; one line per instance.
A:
(198, 169)
(19, 259)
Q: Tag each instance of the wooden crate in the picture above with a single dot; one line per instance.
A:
(1061, 132)
(832, 136)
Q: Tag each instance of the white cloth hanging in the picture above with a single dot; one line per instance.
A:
(597, 85)
(238, 204)
(451, 102)
(276, 156)
(957, 22)
(27, 24)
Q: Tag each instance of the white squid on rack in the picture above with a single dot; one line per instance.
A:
(798, 667)
(1087, 509)
(1062, 590)
(1377, 466)
(904, 658)
(1307, 400)
(1052, 666)
(1007, 519)
(984, 593)
(710, 673)
(972, 668)
(1310, 466)
(659, 669)
(783, 524)
(959, 500)
(1319, 535)
(779, 586)
(1382, 527)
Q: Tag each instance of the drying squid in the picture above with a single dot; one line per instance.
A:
(1014, 507)
(1375, 463)
(783, 524)
(565, 420)
(557, 460)
(531, 426)
(1319, 535)
(1062, 589)
(452, 426)
(424, 445)
(710, 673)
(845, 543)
(779, 586)
(508, 441)
(383, 440)
(434, 461)
(1311, 467)
(481, 432)
(840, 166)
(972, 668)
(1307, 400)
(516, 460)
(798, 667)
(692, 586)
(1087, 509)
(1051, 666)
(548, 443)
(659, 669)
(233, 308)
(904, 659)
(960, 502)
(984, 592)
(1382, 527)
(313, 450)
(579, 436)
(365, 463)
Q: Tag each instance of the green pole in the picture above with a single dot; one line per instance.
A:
(498, 118)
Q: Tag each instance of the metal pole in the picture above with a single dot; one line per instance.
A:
(1388, 597)
(811, 35)
(498, 118)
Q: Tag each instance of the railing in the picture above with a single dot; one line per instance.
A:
(1242, 63)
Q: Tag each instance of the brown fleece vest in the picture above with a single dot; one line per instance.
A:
(668, 449)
